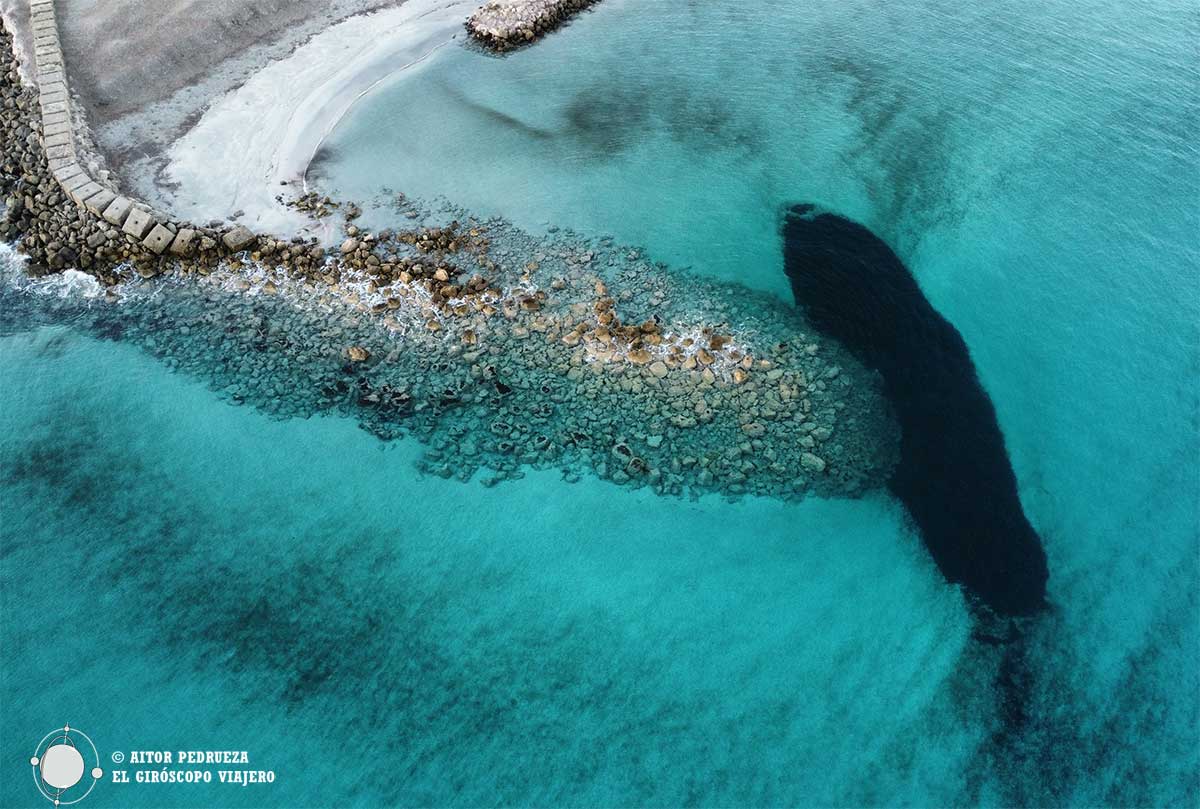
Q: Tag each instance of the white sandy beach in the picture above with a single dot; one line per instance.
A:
(265, 132)
(145, 74)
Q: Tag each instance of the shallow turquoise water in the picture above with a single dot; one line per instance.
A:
(203, 575)
(181, 573)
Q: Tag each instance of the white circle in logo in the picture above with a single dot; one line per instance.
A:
(62, 766)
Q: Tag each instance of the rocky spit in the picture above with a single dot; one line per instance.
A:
(505, 24)
(497, 349)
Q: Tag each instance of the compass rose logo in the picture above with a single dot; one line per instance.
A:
(59, 764)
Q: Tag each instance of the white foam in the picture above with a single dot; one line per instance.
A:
(66, 284)
(268, 130)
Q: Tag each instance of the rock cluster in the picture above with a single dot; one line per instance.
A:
(505, 24)
(503, 392)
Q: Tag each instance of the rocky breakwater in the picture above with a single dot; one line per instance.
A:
(503, 350)
(499, 350)
(56, 212)
(505, 24)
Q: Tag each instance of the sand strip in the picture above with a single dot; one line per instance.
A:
(267, 131)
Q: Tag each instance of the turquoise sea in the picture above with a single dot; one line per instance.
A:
(178, 572)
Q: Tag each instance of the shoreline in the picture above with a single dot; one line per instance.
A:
(273, 125)
(263, 113)
(141, 83)
(464, 328)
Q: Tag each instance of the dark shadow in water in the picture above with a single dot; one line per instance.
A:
(954, 475)
(496, 116)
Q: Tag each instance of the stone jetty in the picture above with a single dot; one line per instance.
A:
(505, 24)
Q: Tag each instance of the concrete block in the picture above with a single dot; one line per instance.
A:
(61, 139)
(239, 238)
(97, 203)
(59, 151)
(138, 223)
(84, 191)
(57, 164)
(53, 97)
(71, 176)
(66, 172)
(159, 238)
(185, 242)
(58, 128)
(51, 109)
(117, 210)
(77, 182)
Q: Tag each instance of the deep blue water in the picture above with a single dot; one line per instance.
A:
(180, 573)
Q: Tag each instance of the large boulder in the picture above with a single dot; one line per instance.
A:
(239, 238)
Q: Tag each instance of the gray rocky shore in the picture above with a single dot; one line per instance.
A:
(497, 349)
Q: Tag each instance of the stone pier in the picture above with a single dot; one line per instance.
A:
(505, 24)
